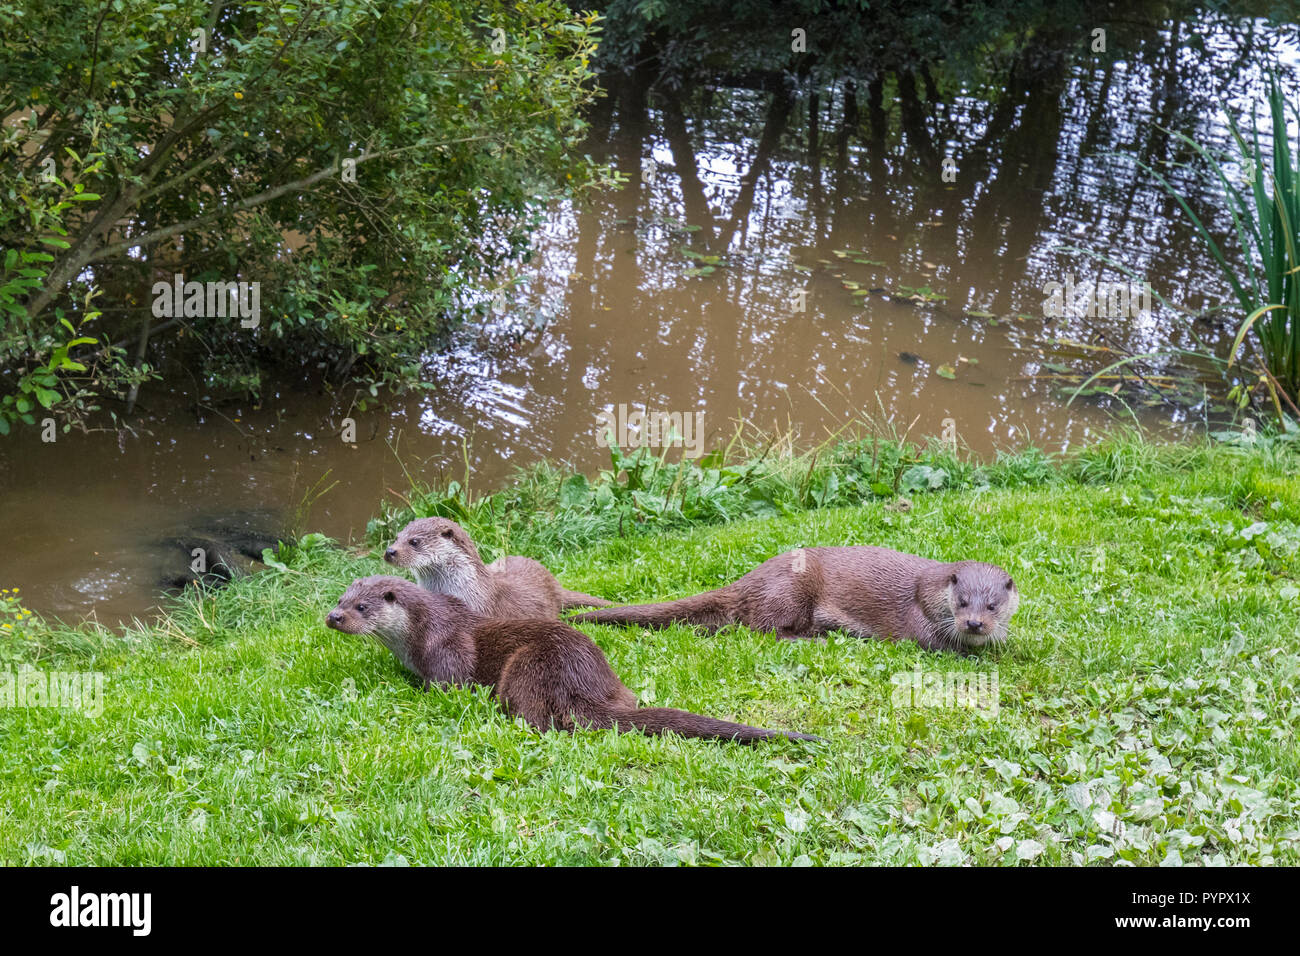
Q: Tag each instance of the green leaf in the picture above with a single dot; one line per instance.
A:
(1245, 327)
(575, 491)
(269, 559)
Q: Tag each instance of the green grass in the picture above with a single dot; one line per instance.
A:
(1148, 705)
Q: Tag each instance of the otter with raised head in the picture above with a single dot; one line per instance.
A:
(446, 561)
(866, 591)
(543, 671)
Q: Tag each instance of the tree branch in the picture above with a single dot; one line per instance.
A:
(267, 196)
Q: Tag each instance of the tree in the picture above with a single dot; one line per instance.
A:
(365, 163)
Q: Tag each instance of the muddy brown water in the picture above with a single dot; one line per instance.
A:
(607, 312)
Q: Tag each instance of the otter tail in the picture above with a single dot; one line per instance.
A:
(657, 720)
(708, 609)
(570, 599)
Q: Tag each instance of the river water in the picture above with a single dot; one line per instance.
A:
(794, 260)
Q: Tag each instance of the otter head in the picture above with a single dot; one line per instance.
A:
(981, 599)
(375, 607)
(436, 549)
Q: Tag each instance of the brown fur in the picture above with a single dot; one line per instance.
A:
(446, 561)
(866, 591)
(543, 671)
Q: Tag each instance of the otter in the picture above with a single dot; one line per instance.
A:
(866, 591)
(543, 671)
(446, 561)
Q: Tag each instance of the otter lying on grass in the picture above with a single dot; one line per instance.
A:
(446, 561)
(866, 591)
(543, 671)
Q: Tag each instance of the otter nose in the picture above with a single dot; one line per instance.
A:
(974, 625)
(390, 554)
(333, 618)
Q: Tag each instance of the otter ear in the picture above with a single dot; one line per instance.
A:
(1011, 585)
(390, 597)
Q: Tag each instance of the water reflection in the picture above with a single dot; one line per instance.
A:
(921, 297)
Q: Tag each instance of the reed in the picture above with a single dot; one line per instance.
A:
(1264, 204)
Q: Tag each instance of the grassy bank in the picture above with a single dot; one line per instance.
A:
(1147, 708)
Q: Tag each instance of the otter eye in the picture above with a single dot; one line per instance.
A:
(447, 533)
(993, 607)
(361, 608)
(415, 542)
(962, 603)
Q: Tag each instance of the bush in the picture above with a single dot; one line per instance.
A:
(366, 164)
